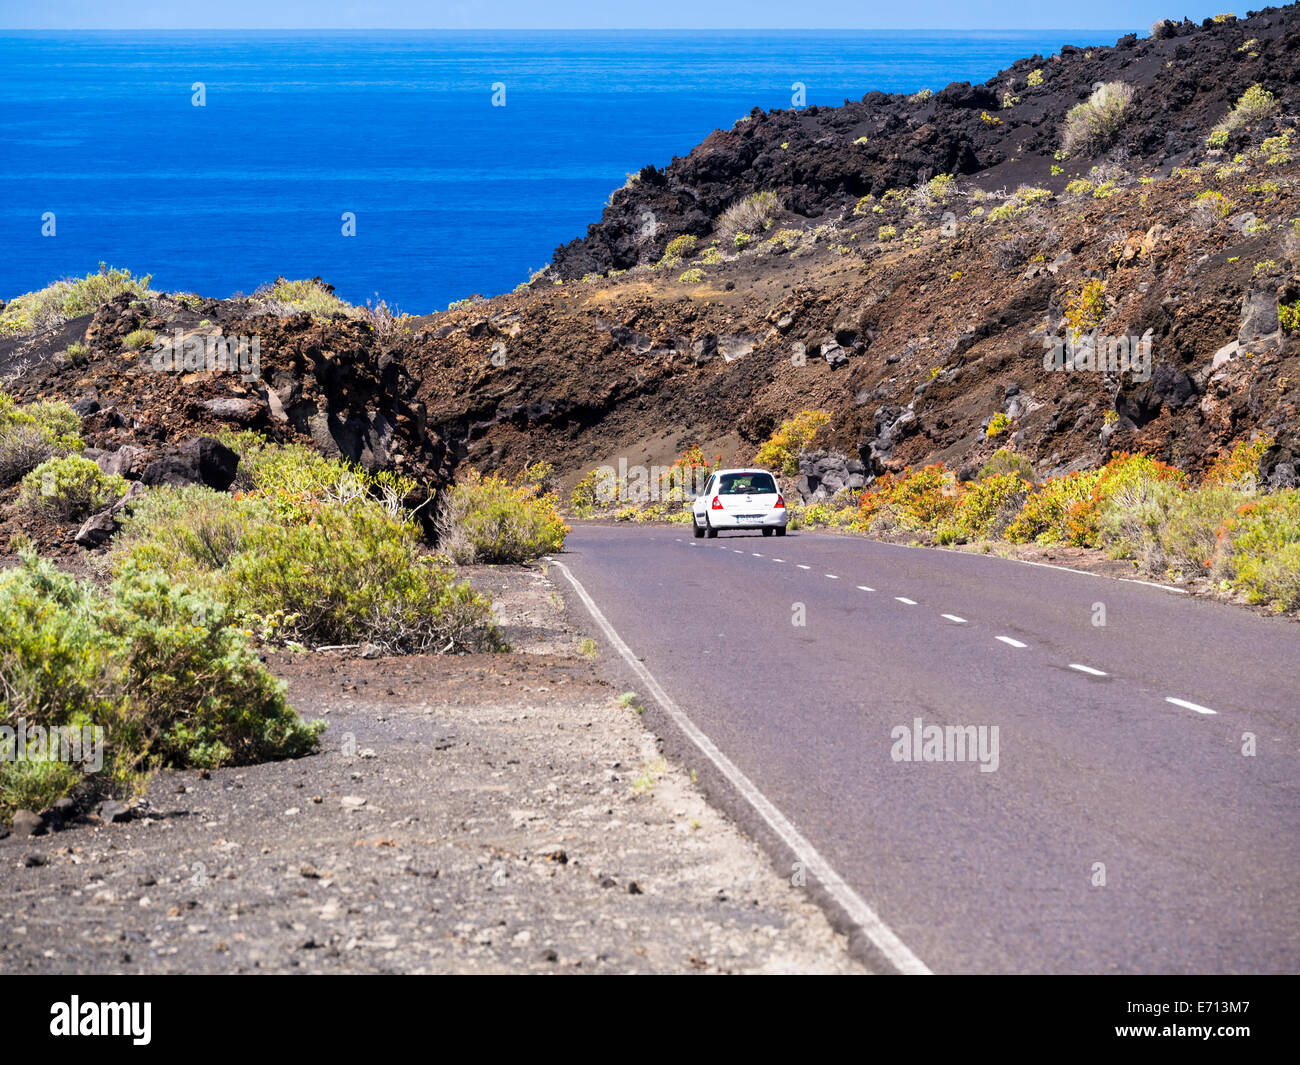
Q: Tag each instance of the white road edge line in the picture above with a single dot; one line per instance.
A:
(954, 617)
(1189, 706)
(903, 599)
(881, 935)
(1011, 643)
(1087, 669)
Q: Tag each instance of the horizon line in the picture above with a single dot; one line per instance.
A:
(553, 29)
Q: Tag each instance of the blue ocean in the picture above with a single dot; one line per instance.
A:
(463, 157)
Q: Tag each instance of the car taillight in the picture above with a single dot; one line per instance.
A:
(780, 503)
(717, 503)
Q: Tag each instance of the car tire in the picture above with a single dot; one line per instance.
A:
(709, 530)
(767, 532)
(695, 528)
(780, 530)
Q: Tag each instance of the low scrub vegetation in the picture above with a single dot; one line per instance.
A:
(33, 433)
(1254, 105)
(491, 519)
(1135, 507)
(1092, 126)
(68, 489)
(162, 669)
(310, 551)
(314, 297)
(780, 452)
(70, 298)
(750, 216)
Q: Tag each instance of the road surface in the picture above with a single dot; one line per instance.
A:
(1123, 826)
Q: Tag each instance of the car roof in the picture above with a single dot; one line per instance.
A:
(745, 469)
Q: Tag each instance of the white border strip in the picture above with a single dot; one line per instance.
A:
(880, 934)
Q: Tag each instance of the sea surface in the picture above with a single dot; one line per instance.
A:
(451, 195)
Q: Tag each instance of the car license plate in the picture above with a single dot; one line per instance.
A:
(749, 519)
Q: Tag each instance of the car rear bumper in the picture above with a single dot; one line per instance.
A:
(770, 519)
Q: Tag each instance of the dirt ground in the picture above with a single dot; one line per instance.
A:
(488, 813)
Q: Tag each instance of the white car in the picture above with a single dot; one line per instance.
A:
(739, 499)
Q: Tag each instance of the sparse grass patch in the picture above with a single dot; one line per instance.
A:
(750, 216)
(1092, 126)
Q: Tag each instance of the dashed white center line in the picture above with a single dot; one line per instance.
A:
(1087, 669)
(1010, 642)
(756, 554)
(904, 599)
(1190, 706)
(864, 588)
(802, 566)
(778, 560)
(737, 550)
(955, 618)
(832, 576)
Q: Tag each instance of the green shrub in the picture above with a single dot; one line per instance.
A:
(1092, 126)
(70, 489)
(139, 339)
(1255, 104)
(915, 500)
(1264, 556)
(295, 479)
(29, 435)
(70, 298)
(488, 519)
(314, 297)
(1172, 532)
(159, 668)
(1238, 467)
(189, 531)
(197, 695)
(1045, 514)
(351, 575)
(315, 573)
(990, 505)
(583, 500)
(678, 247)
(780, 452)
(1006, 461)
(1069, 509)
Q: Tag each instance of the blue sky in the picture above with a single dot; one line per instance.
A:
(586, 14)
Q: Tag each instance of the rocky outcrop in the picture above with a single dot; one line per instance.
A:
(823, 474)
(203, 460)
(817, 158)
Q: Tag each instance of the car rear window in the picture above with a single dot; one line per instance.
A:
(747, 483)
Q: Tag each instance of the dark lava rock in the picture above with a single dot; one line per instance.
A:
(203, 460)
(26, 823)
(114, 811)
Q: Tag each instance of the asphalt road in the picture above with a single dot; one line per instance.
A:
(991, 870)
